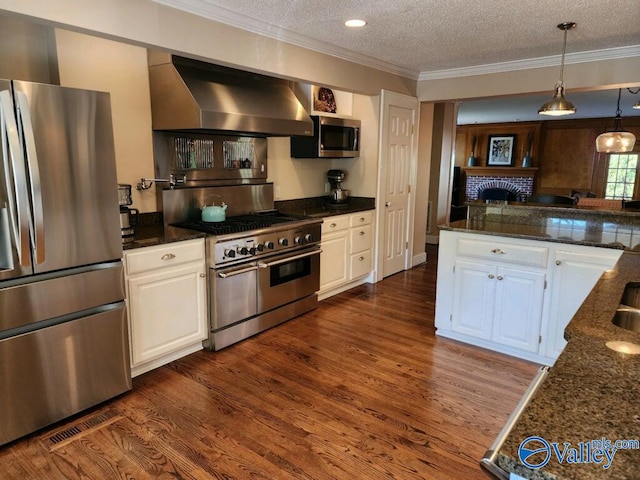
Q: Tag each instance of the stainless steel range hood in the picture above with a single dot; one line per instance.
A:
(191, 95)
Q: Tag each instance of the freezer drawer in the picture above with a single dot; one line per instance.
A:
(55, 372)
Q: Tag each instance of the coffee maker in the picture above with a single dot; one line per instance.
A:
(337, 195)
(128, 216)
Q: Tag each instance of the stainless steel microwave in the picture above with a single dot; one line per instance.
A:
(332, 138)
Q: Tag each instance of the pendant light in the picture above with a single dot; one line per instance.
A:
(616, 140)
(559, 105)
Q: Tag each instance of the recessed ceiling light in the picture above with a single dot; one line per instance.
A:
(355, 23)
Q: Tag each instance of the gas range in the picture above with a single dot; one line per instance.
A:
(244, 237)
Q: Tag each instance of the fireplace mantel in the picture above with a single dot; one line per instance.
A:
(500, 171)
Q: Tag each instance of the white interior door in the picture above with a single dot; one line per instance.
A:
(397, 175)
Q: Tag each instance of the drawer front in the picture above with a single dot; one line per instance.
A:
(504, 252)
(334, 224)
(361, 218)
(161, 256)
(360, 264)
(361, 239)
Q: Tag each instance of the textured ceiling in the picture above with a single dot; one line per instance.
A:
(420, 36)
(447, 38)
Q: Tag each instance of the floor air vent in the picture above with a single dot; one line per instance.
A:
(82, 427)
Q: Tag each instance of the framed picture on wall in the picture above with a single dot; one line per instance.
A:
(500, 150)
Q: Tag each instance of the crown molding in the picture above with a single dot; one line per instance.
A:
(530, 63)
(222, 15)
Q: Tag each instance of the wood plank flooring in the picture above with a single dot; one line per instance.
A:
(360, 388)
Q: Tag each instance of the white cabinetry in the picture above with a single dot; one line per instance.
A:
(512, 295)
(574, 276)
(347, 245)
(167, 304)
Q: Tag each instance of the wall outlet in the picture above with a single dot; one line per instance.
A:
(276, 191)
(327, 187)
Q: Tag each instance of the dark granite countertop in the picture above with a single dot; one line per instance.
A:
(321, 207)
(591, 392)
(150, 235)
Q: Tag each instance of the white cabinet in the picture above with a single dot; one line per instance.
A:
(574, 276)
(347, 245)
(167, 304)
(512, 295)
(500, 304)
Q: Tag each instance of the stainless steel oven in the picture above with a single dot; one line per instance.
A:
(286, 278)
(264, 270)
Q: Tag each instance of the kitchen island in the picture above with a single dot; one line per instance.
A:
(591, 392)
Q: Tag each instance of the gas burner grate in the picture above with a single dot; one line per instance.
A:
(241, 223)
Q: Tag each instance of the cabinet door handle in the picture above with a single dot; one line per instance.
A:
(361, 233)
(498, 251)
(202, 275)
(558, 262)
(361, 258)
(500, 277)
(168, 256)
(491, 276)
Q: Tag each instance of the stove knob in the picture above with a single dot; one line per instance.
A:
(269, 245)
(284, 242)
(243, 250)
(298, 241)
(229, 253)
(252, 251)
(308, 238)
(260, 247)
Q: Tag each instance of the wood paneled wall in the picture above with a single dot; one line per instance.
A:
(563, 150)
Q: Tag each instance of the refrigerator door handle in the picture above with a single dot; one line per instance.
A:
(14, 167)
(24, 118)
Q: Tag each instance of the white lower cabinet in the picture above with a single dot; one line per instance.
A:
(512, 295)
(574, 273)
(347, 245)
(500, 304)
(167, 304)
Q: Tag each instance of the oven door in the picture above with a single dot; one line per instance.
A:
(233, 294)
(286, 278)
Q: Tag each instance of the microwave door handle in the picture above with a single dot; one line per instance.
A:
(24, 116)
(14, 167)
(355, 139)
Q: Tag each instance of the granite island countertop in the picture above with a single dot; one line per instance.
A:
(158, 234)
(591, 392)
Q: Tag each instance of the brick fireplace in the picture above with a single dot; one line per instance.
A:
(518, 181)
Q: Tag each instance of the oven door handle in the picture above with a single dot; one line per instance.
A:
(288, 259)
(233, 273)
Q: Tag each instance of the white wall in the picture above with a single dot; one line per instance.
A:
(306, 177)
(94, 63)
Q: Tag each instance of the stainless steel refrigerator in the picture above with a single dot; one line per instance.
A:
(63, 326)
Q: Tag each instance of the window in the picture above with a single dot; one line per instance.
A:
(621, 176)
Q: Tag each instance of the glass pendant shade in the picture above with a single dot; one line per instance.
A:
(558, 105)
(615, 142)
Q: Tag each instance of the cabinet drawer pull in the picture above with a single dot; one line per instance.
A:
(498, 251)
(361, 233)
(500, 277)
(168, 256)
(558, 262)
(333, 225)
(361, 258)
(362, 219)
(491, 276)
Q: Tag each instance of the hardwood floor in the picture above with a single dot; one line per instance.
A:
(360, 388)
